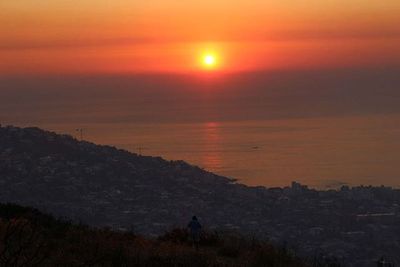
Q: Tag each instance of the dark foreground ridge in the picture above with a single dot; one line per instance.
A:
(104, 186)
(30, 238)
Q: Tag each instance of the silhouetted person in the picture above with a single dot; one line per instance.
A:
(195, 229)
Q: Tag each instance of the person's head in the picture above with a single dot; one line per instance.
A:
(194, 218)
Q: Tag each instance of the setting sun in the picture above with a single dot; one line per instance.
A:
(209, 60)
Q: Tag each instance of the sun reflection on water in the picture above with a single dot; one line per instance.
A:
(212, 158)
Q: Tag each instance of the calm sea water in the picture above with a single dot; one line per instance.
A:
(321, 128)
(322, 153)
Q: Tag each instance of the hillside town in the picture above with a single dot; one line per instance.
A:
(107, 187)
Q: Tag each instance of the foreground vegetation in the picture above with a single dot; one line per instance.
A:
(31, 238)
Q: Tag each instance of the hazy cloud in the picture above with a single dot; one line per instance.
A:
(71, 43)
(262, 36)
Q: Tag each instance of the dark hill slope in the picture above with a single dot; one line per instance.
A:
(31, 238)
(102, 185)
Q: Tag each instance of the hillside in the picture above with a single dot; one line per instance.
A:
(30, 238)
(107, 187)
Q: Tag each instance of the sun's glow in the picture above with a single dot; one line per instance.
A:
(209, 60)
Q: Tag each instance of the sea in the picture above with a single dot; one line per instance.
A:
(324, 132)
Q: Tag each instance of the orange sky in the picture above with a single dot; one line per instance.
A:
(92, 36)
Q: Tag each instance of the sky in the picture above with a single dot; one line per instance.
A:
(171, 36)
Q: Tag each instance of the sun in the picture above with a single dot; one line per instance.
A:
(209, 60)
